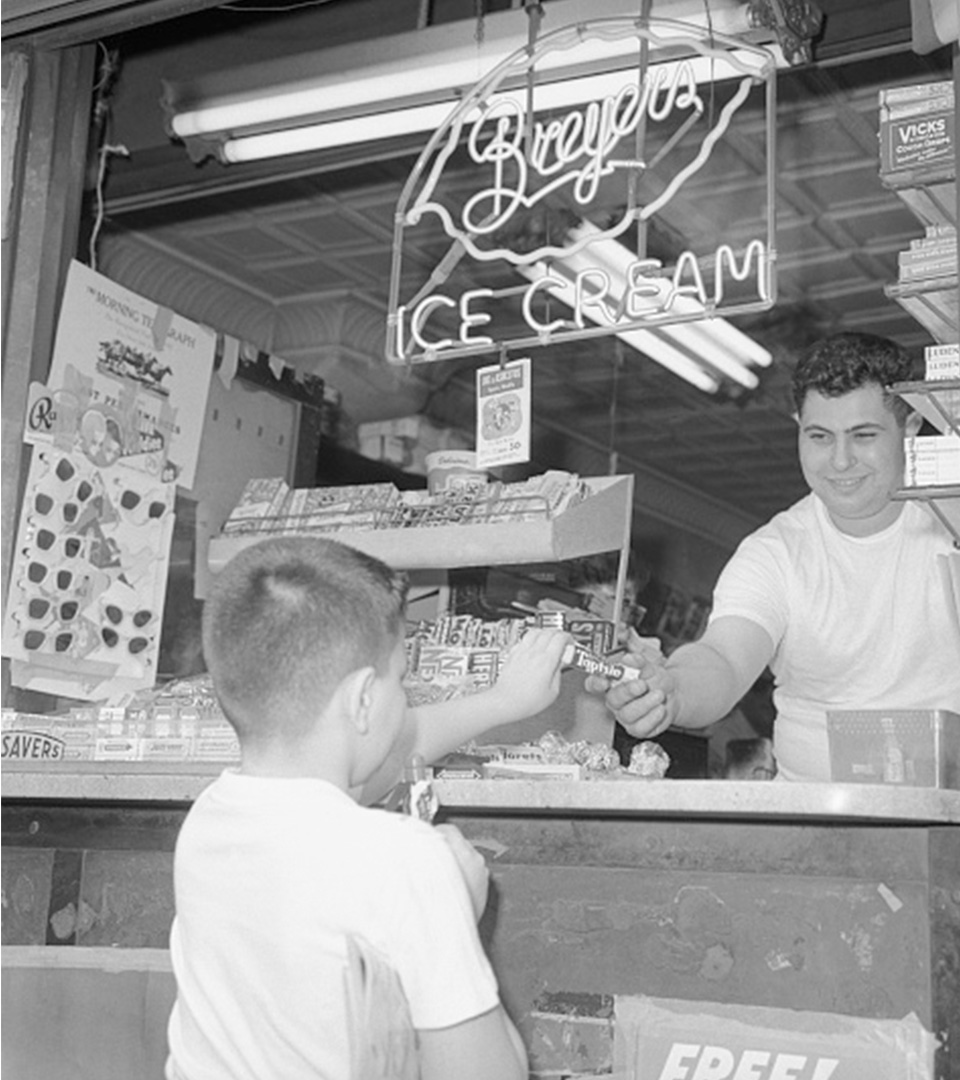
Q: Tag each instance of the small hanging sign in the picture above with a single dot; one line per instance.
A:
(503, 414)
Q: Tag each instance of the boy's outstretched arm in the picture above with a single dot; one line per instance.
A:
(529, 681)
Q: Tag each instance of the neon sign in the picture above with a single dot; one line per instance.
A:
(546, 197)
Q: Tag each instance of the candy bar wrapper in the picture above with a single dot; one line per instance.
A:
(260, 504)
(579, 657)
(596, 635)
(528, 770)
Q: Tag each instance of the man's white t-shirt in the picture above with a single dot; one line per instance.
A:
(857, 622)
(271, 876)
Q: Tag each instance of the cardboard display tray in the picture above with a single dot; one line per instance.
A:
(600, 522)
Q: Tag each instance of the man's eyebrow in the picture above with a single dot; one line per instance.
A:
(866, 425)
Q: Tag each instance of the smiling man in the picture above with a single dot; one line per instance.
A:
(841, 594)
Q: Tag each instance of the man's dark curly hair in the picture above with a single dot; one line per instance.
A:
(844, 362)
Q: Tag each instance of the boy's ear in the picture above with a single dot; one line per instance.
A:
(356, 694)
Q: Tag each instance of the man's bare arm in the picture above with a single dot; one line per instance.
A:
(697, 684)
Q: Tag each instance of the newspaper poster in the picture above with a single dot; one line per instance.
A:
(128, 381)
(503, 414)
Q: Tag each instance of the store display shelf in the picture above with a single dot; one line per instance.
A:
(137, 782)
(943, 500)
(933, 303)
(599, 523)
(937, 401)
(933, 202)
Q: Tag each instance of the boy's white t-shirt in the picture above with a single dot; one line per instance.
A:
(857, 622)
(270, 877)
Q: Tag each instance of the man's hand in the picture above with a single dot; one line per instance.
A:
(644, 706)
(472, 866)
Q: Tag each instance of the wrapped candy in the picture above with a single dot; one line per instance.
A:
(649, 759)
(597, 757)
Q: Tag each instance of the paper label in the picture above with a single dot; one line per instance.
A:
(503, 414)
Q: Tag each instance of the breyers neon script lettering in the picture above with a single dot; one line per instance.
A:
(580, 142)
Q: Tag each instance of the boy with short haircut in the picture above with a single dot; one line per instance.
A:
(278, 871)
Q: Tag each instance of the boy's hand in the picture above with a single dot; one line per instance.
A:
(472, 865)
(529, 680)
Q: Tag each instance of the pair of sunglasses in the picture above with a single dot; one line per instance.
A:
(68, 547)
(112, 639)
(148, 508)
(38, 573)
(36, 639)
(39, 608)
(117, 615)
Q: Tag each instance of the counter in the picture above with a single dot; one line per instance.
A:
(826, 898)
(142, 782)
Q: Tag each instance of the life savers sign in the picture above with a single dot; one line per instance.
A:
(31, 746)
(552, 207)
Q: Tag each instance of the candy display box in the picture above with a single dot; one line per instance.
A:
(910, 747)
(600, 522)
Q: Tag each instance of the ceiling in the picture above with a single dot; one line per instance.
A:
(295, 256)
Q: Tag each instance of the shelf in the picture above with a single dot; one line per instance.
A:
(600, 523)
(937, 401)
(933, 203)
(938, 491)
(943, 500)
(933, 303)
(133, 782)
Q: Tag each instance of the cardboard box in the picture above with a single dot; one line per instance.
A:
(668, 1039)
(931, 460)
(917, 128)
(909, 747)
(942, 361)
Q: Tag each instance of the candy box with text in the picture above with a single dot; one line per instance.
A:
(669, 1039)
(909, 747)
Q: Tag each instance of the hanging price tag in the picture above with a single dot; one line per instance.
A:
(503, 414)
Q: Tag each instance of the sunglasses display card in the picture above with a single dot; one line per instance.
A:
(85, 602)
(129, 381)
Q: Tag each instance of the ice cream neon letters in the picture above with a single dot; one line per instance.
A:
(648, 294)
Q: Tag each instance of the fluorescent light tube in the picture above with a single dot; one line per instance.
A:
(648, 342)
(380, 94)
(712, 339)
(425, 117)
